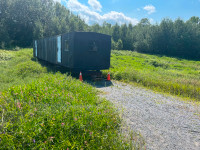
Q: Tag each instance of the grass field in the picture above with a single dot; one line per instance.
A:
(45, 110)
(170, 75)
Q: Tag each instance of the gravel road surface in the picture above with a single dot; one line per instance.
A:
(165, 122)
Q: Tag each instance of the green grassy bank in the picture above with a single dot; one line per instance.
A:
(45, 110)
(170, 75)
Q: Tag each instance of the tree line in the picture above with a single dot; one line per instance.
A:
(21, 21)
(172, 38)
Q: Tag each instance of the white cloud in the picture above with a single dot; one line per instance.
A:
(74, 5)
(95, 5)
(58, 1)
(83, 10)
(91, 16)
(119, 17)
(150, 9)
(151, 20)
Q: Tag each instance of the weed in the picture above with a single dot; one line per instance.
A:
(164, 74)
(41, 110)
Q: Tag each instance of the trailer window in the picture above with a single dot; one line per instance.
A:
(36, 48)
(66, 45)
(93, 46)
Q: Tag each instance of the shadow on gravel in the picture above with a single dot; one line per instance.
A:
(100, 83)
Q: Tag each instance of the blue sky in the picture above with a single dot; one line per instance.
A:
(132, 11)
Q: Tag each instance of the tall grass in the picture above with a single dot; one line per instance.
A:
(42, 110)
(17, 67)
(175, 76)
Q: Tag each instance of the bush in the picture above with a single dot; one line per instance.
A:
(29, 68)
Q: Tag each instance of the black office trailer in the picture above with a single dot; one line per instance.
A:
(75, 50)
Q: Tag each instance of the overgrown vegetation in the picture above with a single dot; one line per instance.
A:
(52, 110)
(17, 68)
(175, 76)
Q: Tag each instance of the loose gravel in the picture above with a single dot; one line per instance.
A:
(165, 122)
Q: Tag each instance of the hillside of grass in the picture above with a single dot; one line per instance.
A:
(18, 67)
(170, 75)
(45, 110)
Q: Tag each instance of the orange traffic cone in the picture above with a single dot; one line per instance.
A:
(80, 77)
(108, 76)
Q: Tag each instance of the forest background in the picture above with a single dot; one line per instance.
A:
(22, 21)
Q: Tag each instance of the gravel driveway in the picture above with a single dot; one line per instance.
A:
(164, 122)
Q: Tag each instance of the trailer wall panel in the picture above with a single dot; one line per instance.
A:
(75, 50)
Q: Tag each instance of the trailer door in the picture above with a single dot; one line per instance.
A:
(59, 49)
